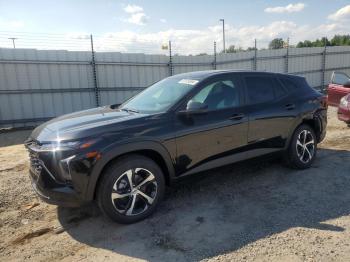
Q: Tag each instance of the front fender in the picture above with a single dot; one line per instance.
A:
(120, 149)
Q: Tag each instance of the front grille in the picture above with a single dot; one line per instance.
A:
(35, 163)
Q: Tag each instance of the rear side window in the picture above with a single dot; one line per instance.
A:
(280, 90)
(289, 84)
(260, 89)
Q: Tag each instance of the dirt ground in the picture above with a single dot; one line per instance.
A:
(259, 211)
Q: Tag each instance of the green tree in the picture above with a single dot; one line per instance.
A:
(276, 43)
(340, 40)
(306, 43)
(231, 49)
(250, 49)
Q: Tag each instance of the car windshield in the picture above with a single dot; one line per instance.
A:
(160, 96)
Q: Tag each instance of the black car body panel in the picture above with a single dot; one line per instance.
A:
(181, 143)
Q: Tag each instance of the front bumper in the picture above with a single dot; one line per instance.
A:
(56, 180)
(56, 194)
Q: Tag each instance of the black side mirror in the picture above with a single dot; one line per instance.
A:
(347, 84)
(194, 108)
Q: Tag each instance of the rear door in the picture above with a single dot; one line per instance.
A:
(271, 113)
(336, 89)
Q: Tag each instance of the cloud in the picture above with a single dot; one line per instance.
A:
(78, 35)
(291, 8)
(138, 19)
(163, 20)
(11, 24)
(131, 9)
(136, 15)
(189, 41)
(195, 41)
(341, 14)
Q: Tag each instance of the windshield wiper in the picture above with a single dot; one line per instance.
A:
(130, 110)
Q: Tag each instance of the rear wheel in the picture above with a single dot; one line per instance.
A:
(131, 189)
(302, 149)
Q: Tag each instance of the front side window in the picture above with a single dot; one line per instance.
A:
(160, 96)
(218, 95)
(259, 89)
(340, 78)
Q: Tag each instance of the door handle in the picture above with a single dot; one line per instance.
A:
(290, 106)
(236, 117)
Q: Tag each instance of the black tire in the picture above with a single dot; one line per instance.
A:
(296, 155)
(115, 180)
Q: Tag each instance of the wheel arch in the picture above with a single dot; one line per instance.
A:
(150, 149)
(315, 123)
(312, 120)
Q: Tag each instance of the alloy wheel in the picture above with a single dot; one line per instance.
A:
(134, 191)
(305, 146)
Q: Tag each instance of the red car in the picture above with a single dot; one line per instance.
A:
(338, 88)
(344, 109)
(339, 95)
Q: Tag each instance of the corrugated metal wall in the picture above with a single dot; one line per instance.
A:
(36, 85)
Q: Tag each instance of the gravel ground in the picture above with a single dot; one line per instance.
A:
(253, 211)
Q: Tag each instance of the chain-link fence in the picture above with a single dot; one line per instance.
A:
(129, 42)
(45, 77)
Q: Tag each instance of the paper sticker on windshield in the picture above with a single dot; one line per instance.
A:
(191, 82)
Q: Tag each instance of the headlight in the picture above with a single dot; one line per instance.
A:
(63, 145)
(58, 146)
(344, 102)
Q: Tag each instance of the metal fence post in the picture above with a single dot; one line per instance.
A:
(286, 58)
(324, 55)
(214, 62)
(93, 64)
(255, 62)
(170, 60)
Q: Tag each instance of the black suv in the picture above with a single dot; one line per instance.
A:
(123, 156)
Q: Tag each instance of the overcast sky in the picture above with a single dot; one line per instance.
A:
(190, 24)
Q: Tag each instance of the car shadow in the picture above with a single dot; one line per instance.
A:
(224, 210)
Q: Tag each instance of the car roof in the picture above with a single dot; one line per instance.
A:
(199, 75)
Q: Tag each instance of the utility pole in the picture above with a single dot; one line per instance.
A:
(94, 72)
(13, 41)
(170, 59)
(223, 33)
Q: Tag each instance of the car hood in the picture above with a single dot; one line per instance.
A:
(81, 124)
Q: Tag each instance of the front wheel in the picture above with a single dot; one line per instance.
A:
(131, 189)
(302, 149)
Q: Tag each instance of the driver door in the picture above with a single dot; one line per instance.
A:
(211, 137)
